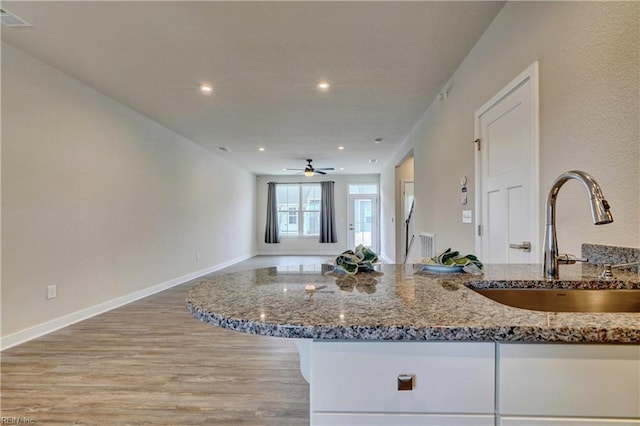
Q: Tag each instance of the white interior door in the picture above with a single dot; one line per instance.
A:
(507, 174)
(363, 221)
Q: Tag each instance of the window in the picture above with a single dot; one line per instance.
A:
(298, 209)
(293, 216)
(363, 188)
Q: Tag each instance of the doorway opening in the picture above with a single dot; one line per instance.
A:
(405, 209)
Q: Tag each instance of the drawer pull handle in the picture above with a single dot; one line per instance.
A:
(405, 382)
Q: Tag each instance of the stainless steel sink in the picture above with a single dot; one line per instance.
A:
(559, 300)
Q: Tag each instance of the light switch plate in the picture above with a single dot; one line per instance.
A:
(51, 292)
(467, 216)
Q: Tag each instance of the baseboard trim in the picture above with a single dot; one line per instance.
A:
(298, 253)
(382, 257)
(44, 328)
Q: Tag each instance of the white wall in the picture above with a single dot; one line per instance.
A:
(103, 202)
(388, 214)
(308, 245)
(589, 58)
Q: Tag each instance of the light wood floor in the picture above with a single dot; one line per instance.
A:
(151, 363)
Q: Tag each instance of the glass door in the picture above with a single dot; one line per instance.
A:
(363, 221)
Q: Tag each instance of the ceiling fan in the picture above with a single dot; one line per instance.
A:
(310, 171)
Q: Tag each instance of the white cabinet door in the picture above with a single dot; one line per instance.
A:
(553, 380)
(362, 377)
(564, 421)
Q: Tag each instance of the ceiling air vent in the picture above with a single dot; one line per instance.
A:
(10, 20)
(224, 149)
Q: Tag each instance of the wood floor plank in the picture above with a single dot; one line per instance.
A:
(151, 363)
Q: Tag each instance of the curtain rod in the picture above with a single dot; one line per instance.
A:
(301, 183)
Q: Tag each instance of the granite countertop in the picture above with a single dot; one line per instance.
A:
(401, 302)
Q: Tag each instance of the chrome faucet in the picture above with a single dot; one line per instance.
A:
(599, 212)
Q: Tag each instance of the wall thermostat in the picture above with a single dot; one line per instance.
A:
(463, 184)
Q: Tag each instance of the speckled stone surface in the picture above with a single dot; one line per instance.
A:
(600, 254)
(401, 302)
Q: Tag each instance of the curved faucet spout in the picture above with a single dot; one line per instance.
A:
(599, 212)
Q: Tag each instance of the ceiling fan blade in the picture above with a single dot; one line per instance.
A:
(311, 169)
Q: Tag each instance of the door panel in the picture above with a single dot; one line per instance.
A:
(504, 132)
(518, 208)
(495, 249)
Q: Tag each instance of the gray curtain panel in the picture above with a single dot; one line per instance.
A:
(328, 232)
(271, 233)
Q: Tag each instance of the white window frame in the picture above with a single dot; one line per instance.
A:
(300, 212)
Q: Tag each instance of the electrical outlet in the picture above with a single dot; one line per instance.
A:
(51, 292)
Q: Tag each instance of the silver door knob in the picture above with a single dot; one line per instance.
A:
(525, 246)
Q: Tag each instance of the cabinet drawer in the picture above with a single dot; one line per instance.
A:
(347, 419)
(569, 380)
(565, 421)
(363, 377)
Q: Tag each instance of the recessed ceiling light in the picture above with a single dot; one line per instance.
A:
(206, 88)
(323, 85)
(341, 147)
(261, 148)
(378, 140)
(341, 168)
(373, 160)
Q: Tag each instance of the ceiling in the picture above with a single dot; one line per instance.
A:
(385, 62)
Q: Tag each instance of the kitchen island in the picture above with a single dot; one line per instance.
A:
(402, 346)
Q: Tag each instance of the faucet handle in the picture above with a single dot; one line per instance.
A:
(569, 259)
(606, 271)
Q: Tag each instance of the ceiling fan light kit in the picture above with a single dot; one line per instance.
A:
(309, 170)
